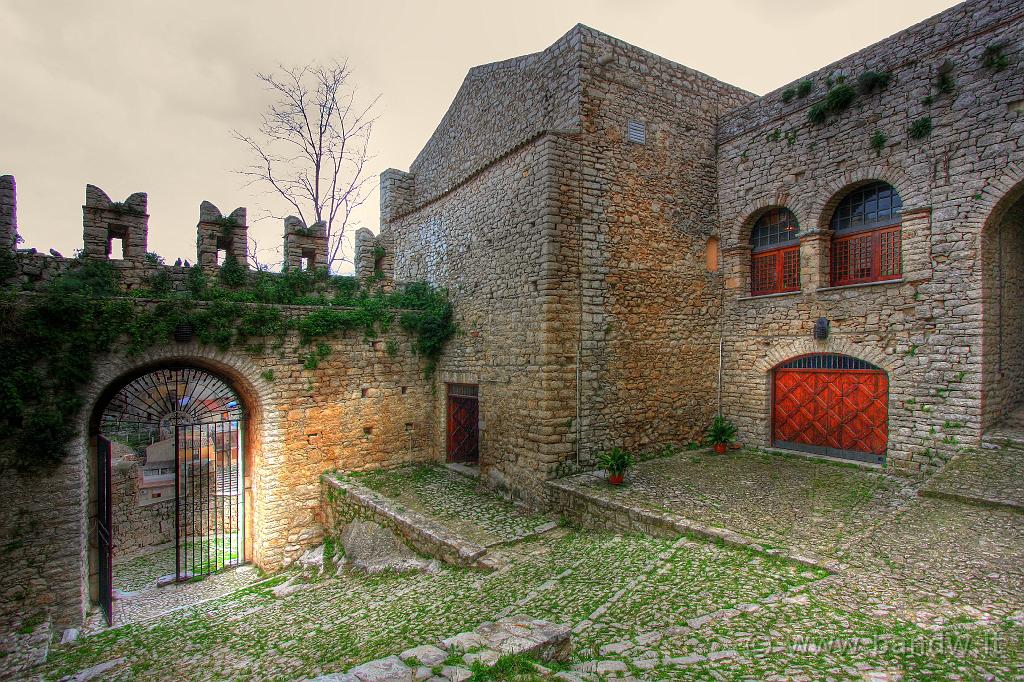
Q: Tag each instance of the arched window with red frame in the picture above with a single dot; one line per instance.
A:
(775, 253)
(866, 236)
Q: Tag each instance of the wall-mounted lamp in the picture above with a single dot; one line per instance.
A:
(821, 329)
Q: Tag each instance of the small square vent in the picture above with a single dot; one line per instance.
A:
(636, 131)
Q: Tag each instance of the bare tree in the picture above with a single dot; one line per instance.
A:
(311, 147)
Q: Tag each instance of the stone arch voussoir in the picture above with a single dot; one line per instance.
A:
(781, 352)
(829, 196)
(738, 233)
(241, 373)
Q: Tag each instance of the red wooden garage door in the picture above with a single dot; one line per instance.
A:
(832, 405)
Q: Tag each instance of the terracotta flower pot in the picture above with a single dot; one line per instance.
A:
(720, 448)
(615, 479)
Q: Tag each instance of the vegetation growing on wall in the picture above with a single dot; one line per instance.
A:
(50, 342)
(993, 57)
(921, 128)
(838, 100)
(873, 81)
(878, 140)
(944, 82)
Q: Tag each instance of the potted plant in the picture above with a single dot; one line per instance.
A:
(720, 434)
(615, 461)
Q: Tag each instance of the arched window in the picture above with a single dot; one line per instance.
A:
(866, 236)
(775, 256)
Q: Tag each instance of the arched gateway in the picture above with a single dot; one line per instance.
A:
(831, 404)
(181, 430)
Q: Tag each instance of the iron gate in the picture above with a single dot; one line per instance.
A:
(183, 426)
(463, 423)
(104, 515)
(210, 498)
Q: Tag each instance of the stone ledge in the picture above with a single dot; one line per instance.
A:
(541, 640)
(637, 519)
(975, 500)
(349, 500)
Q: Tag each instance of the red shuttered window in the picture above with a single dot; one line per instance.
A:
(775, 261)
(866, 257)
(775, 272)
(866, 246)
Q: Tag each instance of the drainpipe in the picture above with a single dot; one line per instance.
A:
(721, 343)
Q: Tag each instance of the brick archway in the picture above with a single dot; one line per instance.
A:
(113, 372)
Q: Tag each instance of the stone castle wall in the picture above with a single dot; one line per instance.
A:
(924, 330)
(363, 407)
(137, 527)
(499, 107)
(366, 404)
(483, 242)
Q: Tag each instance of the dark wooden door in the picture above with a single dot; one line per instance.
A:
(463, 423)
(831, 410)
(104, 536)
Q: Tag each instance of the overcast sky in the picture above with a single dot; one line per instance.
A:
(142, 96)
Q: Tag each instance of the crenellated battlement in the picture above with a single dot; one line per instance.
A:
(219, 236)
(118, 231)
(111, 227)
(305, 248)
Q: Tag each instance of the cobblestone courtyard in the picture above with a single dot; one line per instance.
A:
(938, 595)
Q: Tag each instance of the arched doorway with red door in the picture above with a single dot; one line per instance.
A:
(831, 404)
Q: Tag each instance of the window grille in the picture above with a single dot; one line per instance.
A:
(830, 361)
(867, 207)
(774, 228)
(463, 390)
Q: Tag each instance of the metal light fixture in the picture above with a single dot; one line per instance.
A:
(821, 329)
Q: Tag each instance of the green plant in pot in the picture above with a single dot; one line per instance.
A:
(615, 461)
(720, 434)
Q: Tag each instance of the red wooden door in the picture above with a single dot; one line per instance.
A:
(831, 405)
(463, 423)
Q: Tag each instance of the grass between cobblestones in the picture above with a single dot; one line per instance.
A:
(454, 500)
(567, 577)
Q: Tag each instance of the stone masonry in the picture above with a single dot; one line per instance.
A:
(574, 200)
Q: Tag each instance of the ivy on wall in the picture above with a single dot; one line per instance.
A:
(50, 341)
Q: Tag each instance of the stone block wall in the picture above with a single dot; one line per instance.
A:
(483, 242)
(8, 213)
(344, 501)
(498, 108)
(137, 528)
(924, 330)
(1003, 312)
(650, 306)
